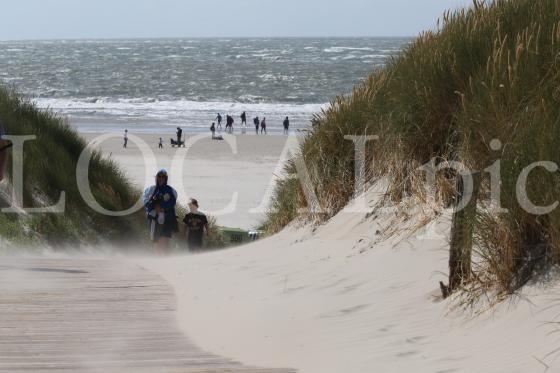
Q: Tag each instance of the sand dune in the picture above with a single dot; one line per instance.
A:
(358, 294)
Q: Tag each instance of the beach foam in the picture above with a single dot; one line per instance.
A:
(153, 115)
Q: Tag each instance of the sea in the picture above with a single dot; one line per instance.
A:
(156, 85)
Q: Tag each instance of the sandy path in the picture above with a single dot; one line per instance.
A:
(94, 315)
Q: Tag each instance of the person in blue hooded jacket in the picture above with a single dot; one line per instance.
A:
(4, 145)
(160, 201)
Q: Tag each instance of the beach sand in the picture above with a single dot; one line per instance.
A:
(359, 294)
(211, 172)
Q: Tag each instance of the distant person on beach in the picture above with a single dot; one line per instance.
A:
(243, 123)
(160, 143)
(213, 130)
(196, 224)
(4, 146)
(263, 126)
(179, 135)
(286, 126)
(219, 119)
(160, 201)
(125, 139)
(229, 123)
(256, 122)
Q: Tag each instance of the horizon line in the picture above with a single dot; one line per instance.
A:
(209, 37)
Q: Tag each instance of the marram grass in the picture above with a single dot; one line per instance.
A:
(488, 72)
(49, 167)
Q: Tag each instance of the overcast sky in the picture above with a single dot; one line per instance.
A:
(78, 19)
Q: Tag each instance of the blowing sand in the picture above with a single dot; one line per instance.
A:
(359, 294)
(229, 178)
(82, 314)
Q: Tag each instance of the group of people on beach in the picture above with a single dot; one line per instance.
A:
(258, 123)
(160, 202)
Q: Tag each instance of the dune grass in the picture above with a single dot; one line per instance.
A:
(50, 168)
(488, 72)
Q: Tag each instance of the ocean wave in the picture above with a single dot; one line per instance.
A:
(389, 51)
(166, 79)
(369, 56)
(345, 49)
(154, 108)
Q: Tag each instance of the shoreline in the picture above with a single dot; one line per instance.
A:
(189, 131)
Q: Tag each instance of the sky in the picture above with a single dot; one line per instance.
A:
(93, 19)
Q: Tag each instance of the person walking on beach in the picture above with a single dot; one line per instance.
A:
(286, 126)
(229, 124)
(256, 122)
(243, 123)
(213, 130)
(196, 224)
(179, 135)
(4, 146)
(160, 143)
(263, 126)
(160, 201)
(219, 119)
(125, 138)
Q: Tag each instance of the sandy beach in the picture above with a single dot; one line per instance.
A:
(358, 294)
(229, 178)
(431, 243)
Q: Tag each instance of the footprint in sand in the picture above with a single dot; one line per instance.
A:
(415, 340)
(350, 288)
(407, 354)
(344, 312)
(351, 310)
(387, 328)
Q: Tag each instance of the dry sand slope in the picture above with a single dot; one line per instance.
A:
(346, 299)
(88, 315)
